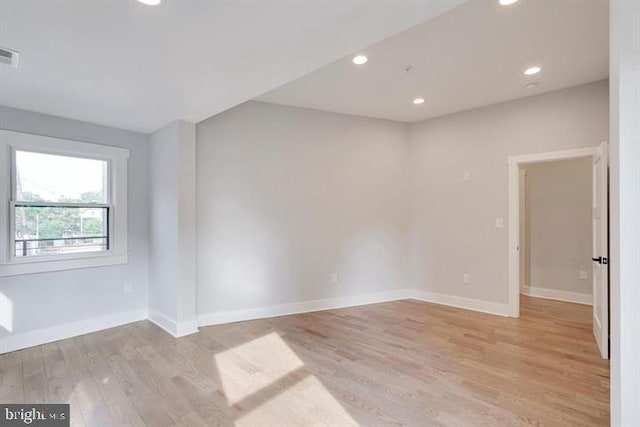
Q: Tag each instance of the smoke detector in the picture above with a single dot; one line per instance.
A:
(9, 57)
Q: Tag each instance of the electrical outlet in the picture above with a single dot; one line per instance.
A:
(466, 278)
(127, 288)
(335, 278)
(584, 275)
(466, 176)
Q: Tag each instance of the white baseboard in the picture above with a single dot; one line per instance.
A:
(176, 329)
(19, 341)
(300, 307)
(462, 302)
(547, 293)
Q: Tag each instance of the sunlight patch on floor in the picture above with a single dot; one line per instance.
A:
(268, 383)
(6, 313)
(252, 366)
(296, 405)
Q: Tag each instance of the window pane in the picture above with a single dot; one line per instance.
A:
(54, 230)
(51, 178)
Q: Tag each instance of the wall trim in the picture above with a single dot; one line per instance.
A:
(173, 328)
(351, 301)
(13, 342)
(231, 316)
(462, 302)
(574, 297)
(187, 327)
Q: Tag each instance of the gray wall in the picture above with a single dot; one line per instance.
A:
(287, 196)
(452, 228)
(50, 299)
(558, 200)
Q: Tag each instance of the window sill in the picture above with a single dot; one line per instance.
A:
(44, 266)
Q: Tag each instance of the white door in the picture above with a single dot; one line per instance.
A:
(600, 259)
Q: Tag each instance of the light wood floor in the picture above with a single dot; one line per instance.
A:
(398, 363)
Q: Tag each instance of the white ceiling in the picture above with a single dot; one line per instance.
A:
(123, 64)
(471, 56)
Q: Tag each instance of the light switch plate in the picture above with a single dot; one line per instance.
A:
(466, 176)
(499, 223)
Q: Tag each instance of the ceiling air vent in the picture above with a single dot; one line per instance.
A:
(9, 57)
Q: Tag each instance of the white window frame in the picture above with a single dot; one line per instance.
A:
(116, 159)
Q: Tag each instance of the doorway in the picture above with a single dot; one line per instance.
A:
(556, 231)
(520, 256)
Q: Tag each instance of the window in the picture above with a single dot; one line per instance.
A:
(54, 211)
(65, 204)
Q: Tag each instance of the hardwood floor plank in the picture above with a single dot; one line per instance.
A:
(120, 408)
(400, 363)
(35, 381)
(11, 378)
(90, 402)
(59, 385)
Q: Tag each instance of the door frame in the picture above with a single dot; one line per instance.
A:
(514, 211)
(522, 224)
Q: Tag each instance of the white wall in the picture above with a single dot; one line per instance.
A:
(172, 261)
(286, 197)
(559, 225)
(625, 210)
(452, 228)
(163, 226)
(43, 305)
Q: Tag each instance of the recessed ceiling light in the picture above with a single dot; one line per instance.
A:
(360, 59)
(507, 2)
(418, 101)
(150, 2)
(532, 70)
(531, 86)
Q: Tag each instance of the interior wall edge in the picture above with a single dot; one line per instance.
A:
(173, 328)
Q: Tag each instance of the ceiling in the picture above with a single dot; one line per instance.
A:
(124, 64)
(471, 56)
